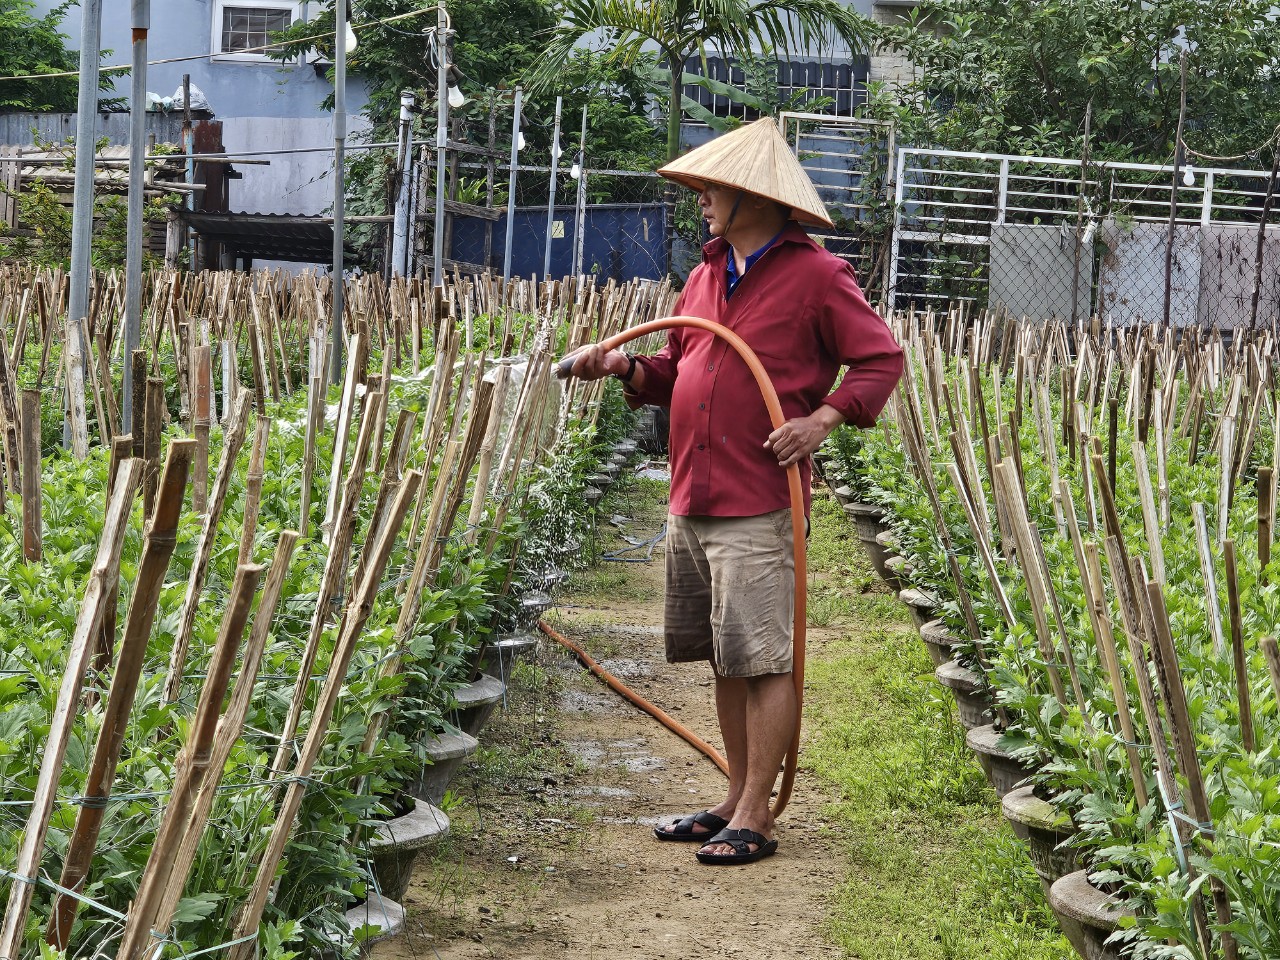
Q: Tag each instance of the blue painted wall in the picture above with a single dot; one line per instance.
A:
(182, 28)
(621, 241)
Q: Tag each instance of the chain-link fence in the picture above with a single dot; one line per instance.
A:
(1049, 238)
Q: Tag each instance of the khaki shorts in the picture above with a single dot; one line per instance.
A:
(731, 592)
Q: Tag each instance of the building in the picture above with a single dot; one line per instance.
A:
(252, 95)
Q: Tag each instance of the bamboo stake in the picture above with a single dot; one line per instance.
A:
(1266, 507)
(32, 524)
(1165, 657)
(1210, 580)
(232, 441)
(230, 726)
(1239, 657)
(352, 629)
(161, 539)
(1007, 481)
(335, 565)
(1105, 637)
(357, 352)
(253, 489)
(190, 769)
(151, 442)
(1142, 471)
(104, 574)
(200, 428)
(1272, 655)
(502, 379)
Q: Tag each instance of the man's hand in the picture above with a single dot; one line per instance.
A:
(796, 439)
(593, 363)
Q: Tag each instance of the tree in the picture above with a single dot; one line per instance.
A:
(1015, 76)
(34, 45)
(494, 43)
(681, 28)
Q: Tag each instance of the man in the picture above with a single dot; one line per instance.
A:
(730, 565)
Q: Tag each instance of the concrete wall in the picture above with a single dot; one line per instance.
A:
(892, 67)
(288, 183)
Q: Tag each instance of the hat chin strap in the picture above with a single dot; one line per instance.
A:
(733, 215)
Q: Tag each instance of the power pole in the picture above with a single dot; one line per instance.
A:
(141, 21)
(82, 225)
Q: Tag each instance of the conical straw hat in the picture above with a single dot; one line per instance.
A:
(754, 158)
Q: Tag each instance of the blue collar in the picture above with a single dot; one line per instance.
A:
(731, 270)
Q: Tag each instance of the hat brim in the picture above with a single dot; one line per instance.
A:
(698, 184)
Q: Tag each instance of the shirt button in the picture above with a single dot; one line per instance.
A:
(710, 367)
(702, 406)
(702, 446)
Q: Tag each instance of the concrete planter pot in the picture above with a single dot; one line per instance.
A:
(940, 642)
(601, 480)
(897, 572)
(973, 699)
(503, 652)
(1003, 770)
(396, 843)
(844, 493)
(445, 754)
(1044, 828)
(592, 495)
(920, 604)
(384, 915)
(868, 519)
(626, 447)
(878, 553)
(1087, 915)
(476, 702)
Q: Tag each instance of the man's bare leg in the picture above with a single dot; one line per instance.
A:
(731, 711)
(768, 724)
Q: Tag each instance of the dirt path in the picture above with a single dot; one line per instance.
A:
(565, 864)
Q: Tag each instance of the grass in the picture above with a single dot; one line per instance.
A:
(934, 873)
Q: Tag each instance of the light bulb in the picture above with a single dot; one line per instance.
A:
(520, 140)
(556, 151)
(456, 97)
(575, 171)
(350, 34)
(1189, 175)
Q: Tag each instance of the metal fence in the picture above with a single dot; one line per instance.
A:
(1049, 237)
(847, 160)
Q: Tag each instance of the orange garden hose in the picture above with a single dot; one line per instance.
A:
(770, 396)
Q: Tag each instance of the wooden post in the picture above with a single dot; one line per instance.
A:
(105, 572)
(156, 552)
(32, 527)
(1240, 660)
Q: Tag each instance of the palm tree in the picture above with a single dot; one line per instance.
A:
(681, 28)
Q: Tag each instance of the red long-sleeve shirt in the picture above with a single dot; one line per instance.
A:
(801, 310)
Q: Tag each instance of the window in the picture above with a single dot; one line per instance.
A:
(844, 81)
(240, 31)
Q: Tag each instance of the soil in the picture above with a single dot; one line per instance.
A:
(567, 865)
